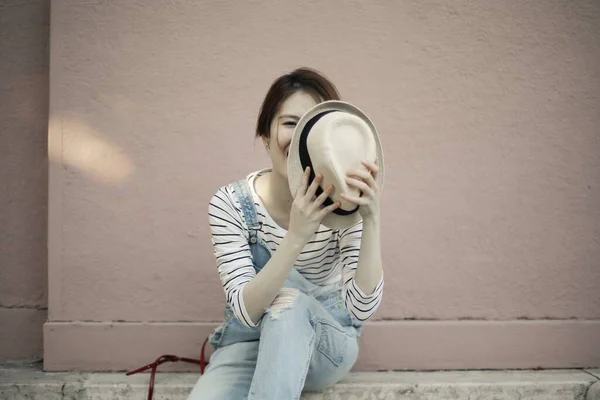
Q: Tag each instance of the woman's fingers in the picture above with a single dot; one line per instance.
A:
(365, 176)
(359, 201)
(323, 196)
(373, 167)
(303, 183)
(313, 187)
(326, 210)
(360, 185)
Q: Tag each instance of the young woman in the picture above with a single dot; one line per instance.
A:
(297, 292)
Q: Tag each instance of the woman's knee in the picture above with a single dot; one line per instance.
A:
(290, 303)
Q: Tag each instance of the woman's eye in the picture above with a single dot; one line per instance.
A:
(289, 123)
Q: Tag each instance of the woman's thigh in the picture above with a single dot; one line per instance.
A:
(229, 373)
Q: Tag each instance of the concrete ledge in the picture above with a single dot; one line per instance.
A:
(593, 392)
(416, 345)
(19, 382)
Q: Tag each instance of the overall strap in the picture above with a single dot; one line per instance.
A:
(244, 196)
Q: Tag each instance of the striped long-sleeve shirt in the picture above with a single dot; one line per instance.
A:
(331, 256)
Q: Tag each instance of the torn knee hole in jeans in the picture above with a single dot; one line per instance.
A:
(284, 300)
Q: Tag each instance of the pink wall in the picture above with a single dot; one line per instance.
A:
(489, 116)
(24, 28)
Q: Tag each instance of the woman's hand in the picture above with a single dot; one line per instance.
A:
(306, 214)
(365, 182)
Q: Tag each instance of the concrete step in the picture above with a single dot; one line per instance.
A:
(21, 382)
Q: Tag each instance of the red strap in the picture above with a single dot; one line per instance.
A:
(203, 363)
(169, 358)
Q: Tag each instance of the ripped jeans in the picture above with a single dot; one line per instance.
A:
(306, 340)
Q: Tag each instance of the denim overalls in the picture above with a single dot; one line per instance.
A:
(307, 342)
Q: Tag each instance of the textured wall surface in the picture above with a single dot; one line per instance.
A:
(489, 116)
(24, 29)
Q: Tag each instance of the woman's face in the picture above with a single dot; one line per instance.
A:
(282, 128)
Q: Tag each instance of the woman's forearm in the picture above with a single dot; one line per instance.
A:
(259, 293)
(369, 269)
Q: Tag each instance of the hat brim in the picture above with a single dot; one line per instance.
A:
(294, 166)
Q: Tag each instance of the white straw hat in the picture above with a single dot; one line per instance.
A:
(332, 138)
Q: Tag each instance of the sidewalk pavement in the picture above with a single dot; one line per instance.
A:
(28, 381)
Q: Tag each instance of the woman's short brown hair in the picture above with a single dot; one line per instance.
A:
(301, 79)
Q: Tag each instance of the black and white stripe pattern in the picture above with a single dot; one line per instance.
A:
(329, 257)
